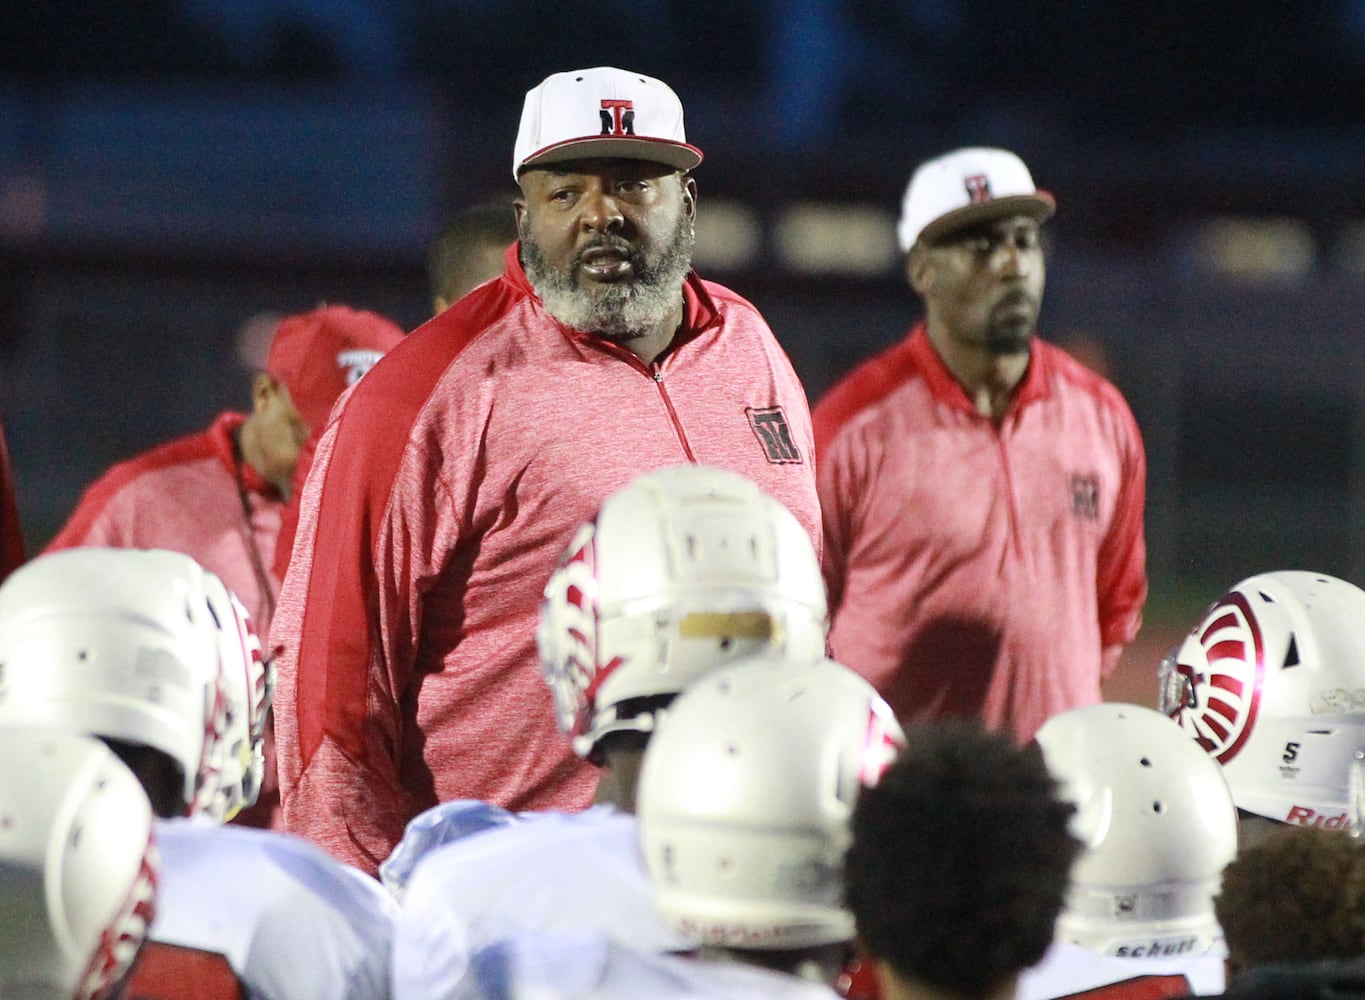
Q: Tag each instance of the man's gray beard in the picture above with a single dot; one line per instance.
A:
(623, 310)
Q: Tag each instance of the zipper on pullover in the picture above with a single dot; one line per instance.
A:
(658, 375)
(1016, 543)
(655, 371)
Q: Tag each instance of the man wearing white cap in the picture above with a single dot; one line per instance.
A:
(982, 492)
(458, 470)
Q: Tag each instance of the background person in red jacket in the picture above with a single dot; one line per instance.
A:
(220, 495)
(217, 495)
(982, 491)
(452, 478)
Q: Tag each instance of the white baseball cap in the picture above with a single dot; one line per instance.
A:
(967, 186)
(602, 112)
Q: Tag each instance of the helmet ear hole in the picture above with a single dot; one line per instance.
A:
(1291, 655)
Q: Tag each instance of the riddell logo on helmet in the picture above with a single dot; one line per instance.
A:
(1303, 816)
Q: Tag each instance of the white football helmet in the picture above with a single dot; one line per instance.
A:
(1271, 684)
(745, 797)
(248, 687)
(121, 644)
(687, 568)
(77, 866)
(1158, 826)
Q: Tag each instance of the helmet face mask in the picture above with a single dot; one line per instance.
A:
(1158, 824)
(77, 865)
(685, 569)
(1271, 684)
(123, 644)
(248, 687)
(745, 798)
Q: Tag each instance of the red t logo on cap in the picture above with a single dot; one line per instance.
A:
(618, 116)
(978, 188)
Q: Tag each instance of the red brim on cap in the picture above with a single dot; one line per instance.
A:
(678, 155)
(1039, 205)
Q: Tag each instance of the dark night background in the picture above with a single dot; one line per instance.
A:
(169, 170)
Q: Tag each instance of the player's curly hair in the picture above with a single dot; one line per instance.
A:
(960, 859)
(1296, 896)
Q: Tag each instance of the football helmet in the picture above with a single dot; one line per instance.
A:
(1158, 826)
(686, 568)
(248, 690)
(77, 865)
(745, 797)
(121, 644)
(1271, 684)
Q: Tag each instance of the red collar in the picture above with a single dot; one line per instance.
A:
(946, 389)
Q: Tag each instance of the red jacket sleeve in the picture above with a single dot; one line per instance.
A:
(1121, 574)
(839, 483)
(350, 610)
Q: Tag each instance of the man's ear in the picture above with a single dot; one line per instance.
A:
(264, 389)
(519, 209)
(689, 196)
(918, 272)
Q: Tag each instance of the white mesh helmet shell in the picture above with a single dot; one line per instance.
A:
(686, 568)
(745, 797)
(77, 865)
(1271, 684)
(1158, 825)
(117, 643)
(248, 689)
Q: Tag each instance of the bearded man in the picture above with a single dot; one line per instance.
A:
(982, 491)
(456, 472)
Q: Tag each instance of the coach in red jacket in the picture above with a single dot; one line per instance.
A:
(217, 495)
(222, 495)
(456, 473)
(982, 492)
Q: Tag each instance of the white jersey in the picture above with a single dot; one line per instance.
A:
(1068, 970)
(540, 872)
(588, 965)
(265, 915)
(441, 824)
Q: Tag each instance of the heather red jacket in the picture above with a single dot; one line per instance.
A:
(979, 569)
(447, 485)
(183, 496)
